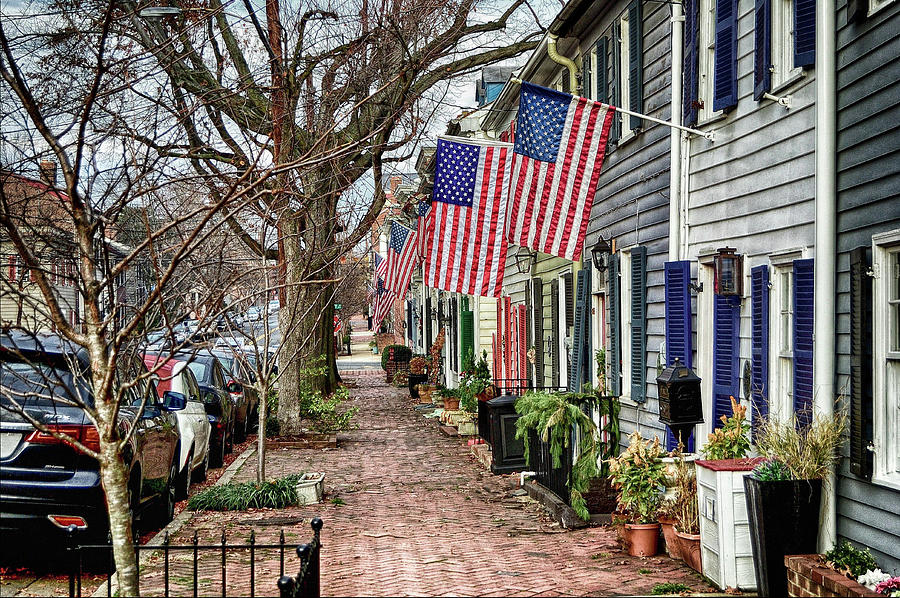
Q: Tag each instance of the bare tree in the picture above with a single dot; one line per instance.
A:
(352, 83)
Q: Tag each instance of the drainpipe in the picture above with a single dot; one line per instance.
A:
(826, 243)
(675, 134)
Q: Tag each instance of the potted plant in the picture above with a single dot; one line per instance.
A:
(450, 397)
(373, 344)
(783, 493)
(687, 518)
(638, 475)
(417, 376)
(666, 515)
(434, 358)
(725, 545)
(553, 417)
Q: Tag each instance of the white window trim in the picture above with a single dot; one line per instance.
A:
(877, 5)
(781, 404)
(783, 71)
(625, 322)
(704, 363)
(885, 415)
(624, 83)
(706, 46)
(562, 331)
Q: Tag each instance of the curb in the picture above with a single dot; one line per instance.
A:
(180, 520)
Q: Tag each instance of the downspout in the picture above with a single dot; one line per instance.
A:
(675, 134)
(826, 244)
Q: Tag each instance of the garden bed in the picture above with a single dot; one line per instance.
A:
(807, 575)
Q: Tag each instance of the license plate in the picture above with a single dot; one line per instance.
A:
(9, 441)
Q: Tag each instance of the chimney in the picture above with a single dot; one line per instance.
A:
(395, 182)
(47, 169)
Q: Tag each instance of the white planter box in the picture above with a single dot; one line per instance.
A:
(311, 488)
(724, 529)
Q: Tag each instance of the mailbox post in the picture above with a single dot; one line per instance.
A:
(680, 406)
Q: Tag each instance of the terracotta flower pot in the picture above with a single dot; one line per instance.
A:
(642, 538)
(690, 550)
(673, 546)
(451, 403)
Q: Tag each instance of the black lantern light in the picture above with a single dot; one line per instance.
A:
(524, 260)
(729, 273)
(680, 406)
(599, 253)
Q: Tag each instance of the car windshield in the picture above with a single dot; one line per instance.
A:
(227, 363)
(38, 383)
(201, 371)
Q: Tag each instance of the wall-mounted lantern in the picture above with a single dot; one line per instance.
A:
(525, 259)
(729, 273)
(600, 253)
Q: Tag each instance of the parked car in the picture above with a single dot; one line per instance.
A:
(177, 381)
(240, 384)
(229, 419)
(274, 306)
(220, 414)
(47, 484)
(254, 314)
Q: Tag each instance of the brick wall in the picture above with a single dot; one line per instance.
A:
(808, 576)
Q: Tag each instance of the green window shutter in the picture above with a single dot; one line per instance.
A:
(635, 62)
(575, 364)
(639, 324)
(614, 348)
(554, 332)
(538, 304)
(602, 70)
(586, 74)
(570, 300)
(615, 97)
(466, 333)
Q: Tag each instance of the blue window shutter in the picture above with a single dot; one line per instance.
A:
(554, 333)
(691, 69)
(639, 324)
(635, 62)
(678, 312)
(614, 352)
(726, 324)
(537, 287)
(759, 345)
(861, 411)
(602, 67)
(762, 50)
(725, 76)
(804, 33)
(804, 318)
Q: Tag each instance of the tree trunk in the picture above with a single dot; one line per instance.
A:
(115, 485)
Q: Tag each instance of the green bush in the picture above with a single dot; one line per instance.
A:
(848, 559)
(401, 353)
(273, 494)
(669, 588)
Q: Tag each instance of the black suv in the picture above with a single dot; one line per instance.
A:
(240, 381)
(47, 484)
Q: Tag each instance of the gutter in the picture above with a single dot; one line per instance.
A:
(826, 244)
(675, 134)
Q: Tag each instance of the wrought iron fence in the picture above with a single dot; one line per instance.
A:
(305, 584)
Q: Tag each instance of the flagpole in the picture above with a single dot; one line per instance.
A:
(710, 135)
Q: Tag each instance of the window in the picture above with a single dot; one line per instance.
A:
(624, 82)
(781, 399)
(782, 67)
(876, 5)
(706, 59)
(886, 358)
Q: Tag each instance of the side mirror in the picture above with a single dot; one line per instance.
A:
(274, 370)
(234, 387)
(174, 401)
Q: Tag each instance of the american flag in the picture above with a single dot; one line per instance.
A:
(422, 223)
(467, 251)
(559, 148)
(384, 299)
(401, 259)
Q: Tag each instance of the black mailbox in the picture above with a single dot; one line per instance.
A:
(679, 399)
(508, 452)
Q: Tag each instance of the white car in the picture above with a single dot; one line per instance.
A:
(176, 378)
(254, 314)
(274, 306)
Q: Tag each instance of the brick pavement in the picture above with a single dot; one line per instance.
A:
(409, 512)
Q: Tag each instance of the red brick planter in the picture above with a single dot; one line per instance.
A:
(808, 576)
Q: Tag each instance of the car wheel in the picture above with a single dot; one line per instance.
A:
(167, 500)
(201, 472)
(183, 486)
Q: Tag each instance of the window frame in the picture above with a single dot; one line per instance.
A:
(623, 77)
(885, 408)
(781, 359)
(706, 62)
(782, 72)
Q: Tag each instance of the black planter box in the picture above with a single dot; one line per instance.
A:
(507, 451)
(415, 380)
(784, 519)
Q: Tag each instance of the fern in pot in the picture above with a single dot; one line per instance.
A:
(784, 492)
(638, 474)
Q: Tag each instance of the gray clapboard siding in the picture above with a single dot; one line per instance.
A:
(868, 181)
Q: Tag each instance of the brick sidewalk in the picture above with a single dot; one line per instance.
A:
(409, 511)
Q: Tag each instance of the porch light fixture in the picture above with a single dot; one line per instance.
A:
(525, 259)
(729, 273)
(599, 253)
